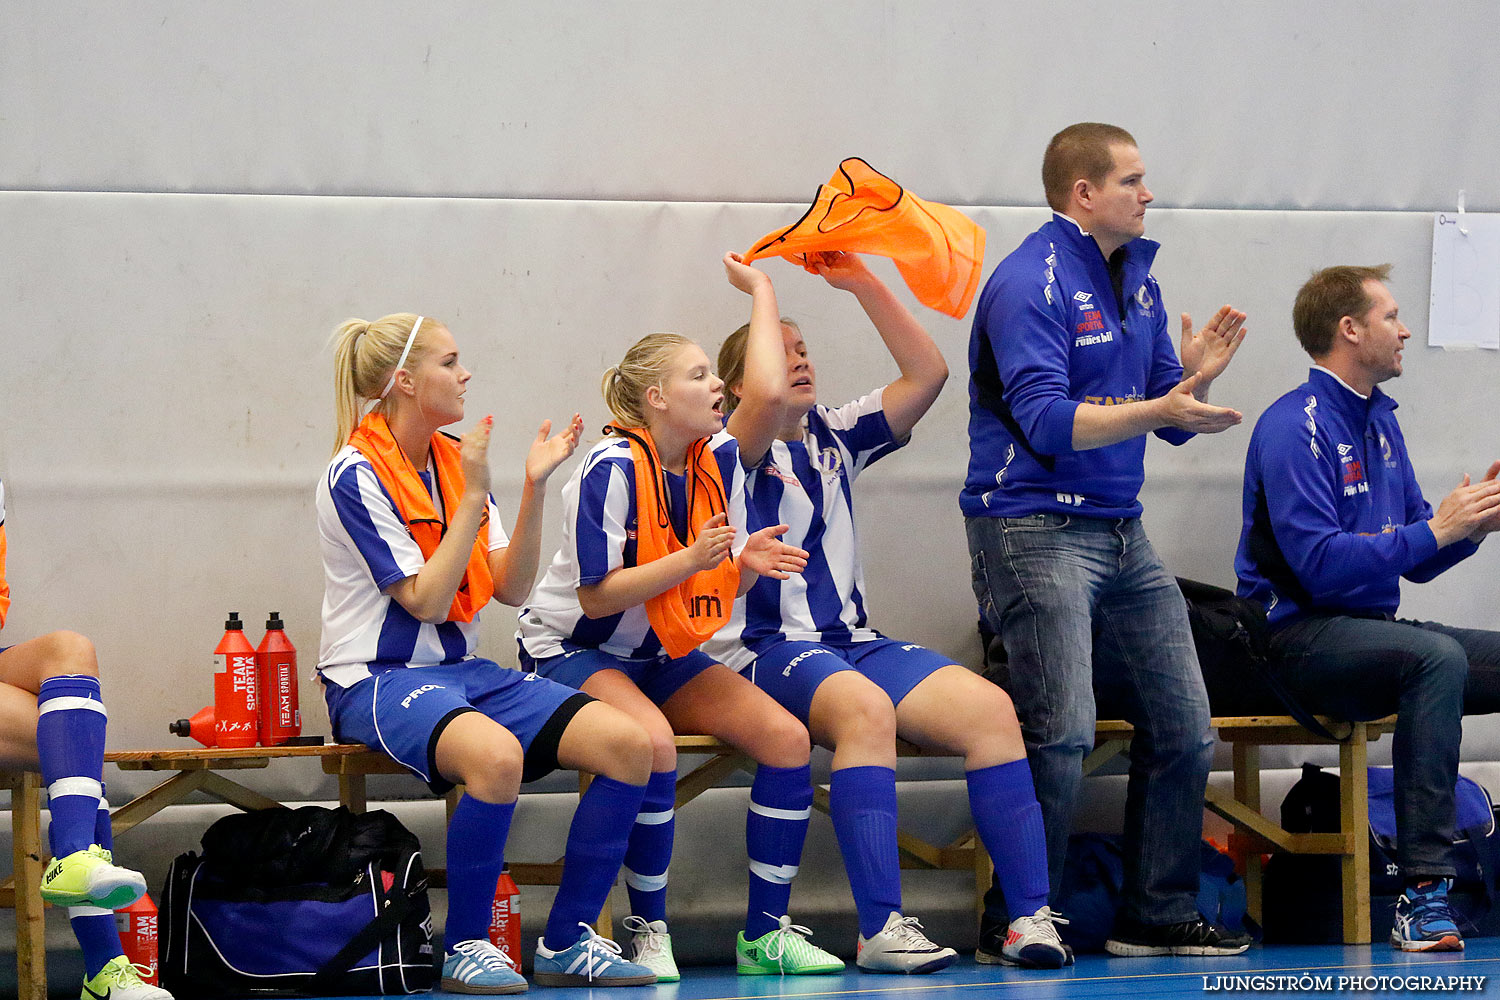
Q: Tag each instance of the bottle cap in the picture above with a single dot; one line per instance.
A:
(182, 727)
(274, 622)
(234, 624)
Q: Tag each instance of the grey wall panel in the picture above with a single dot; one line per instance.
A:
(1278, 104)
(169, 408)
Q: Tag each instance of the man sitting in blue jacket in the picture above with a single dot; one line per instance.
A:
(1333, 518)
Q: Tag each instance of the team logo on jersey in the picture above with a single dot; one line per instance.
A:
(1345, 449)
(829, 462)
(1082, 298)
(1144, 299)
(1385, 452)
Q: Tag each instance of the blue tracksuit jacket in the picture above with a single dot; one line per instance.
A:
(1333, 516)
(1051, 332)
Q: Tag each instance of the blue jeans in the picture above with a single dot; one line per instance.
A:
(1069, 596)
(1365, 668)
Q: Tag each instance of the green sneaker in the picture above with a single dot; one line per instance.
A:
(783, 952)
(119, 980)
(91, 878)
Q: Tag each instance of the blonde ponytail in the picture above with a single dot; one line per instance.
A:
(365, 356)
(647, 363)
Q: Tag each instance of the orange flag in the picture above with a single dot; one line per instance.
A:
(938, 250)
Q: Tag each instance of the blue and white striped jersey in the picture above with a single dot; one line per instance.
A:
(807, 485)
(599, 536)
(366, 548)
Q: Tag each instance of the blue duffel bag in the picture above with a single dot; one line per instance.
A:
(298, 903)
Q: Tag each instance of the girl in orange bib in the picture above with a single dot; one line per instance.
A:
(413, 550)
(656, 551)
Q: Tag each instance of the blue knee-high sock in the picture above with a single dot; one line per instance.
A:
(780, 806)
(93, 926)
(596, 846)
(476, 853)
(650, 848)
(70, 742)
(1009, 822)
(862, 801)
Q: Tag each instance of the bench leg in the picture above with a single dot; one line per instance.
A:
(1246, 757)
(26, 831)
(1354, 821)
(352, 792)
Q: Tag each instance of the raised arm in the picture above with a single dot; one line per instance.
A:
(923, 370)
(514, 565)
(763, 390)
(428, 595)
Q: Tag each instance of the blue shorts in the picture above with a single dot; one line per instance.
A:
(791, 671)
(403, 710)
(658, 679)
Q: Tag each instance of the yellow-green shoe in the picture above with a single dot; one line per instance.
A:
(784, 951)
(91, 878)
(119, 980)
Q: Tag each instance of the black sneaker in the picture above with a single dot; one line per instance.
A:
(991, 948)
(1191, 937)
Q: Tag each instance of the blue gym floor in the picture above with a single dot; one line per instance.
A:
(1097, 977)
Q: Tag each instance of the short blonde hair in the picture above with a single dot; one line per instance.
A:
(365, 355)
(646, 364)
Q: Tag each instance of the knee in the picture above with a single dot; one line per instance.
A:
(1447, 662)
(784, 742)
(636, 751)
(491, 770)
(69, 653)
(868, 719)
(661, 745)
(989, 721)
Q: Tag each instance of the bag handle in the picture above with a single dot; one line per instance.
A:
(392, 913)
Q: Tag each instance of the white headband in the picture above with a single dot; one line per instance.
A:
(411, 338)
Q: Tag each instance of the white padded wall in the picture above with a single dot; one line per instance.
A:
(192, 196)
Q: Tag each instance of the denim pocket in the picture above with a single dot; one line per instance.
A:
(1035, 522)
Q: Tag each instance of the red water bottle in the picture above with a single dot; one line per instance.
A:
(137, 926)
(235, 703)
(505, 918)
(280, 711)
(200, 727)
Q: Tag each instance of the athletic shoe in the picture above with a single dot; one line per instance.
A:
(120, 980)
(992, 935)
(651, 946)
(1191, 937)
(783, 952)
(1033, 942)
(90, 878)
(593, 961)
(900, 946)
(477, 966)
(1424, 921)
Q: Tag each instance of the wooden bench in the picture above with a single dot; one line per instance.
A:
(198, 770)
(1256, 834)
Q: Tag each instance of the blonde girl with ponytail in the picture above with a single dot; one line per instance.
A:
(413, 549)
(656, 550)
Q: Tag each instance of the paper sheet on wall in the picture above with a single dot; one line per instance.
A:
(1465, 306)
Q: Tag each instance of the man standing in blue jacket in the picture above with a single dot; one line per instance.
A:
(1333, 518)
(1072, 364)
